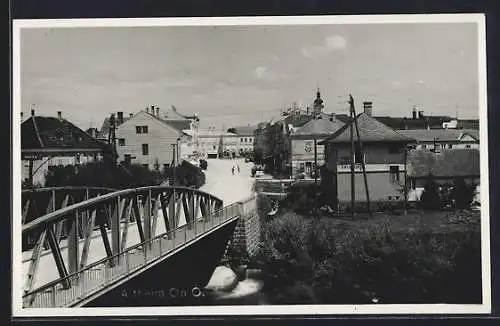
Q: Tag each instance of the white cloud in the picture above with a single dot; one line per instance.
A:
(335, 42)
(331, 43)
(261, 72)
(264, 73)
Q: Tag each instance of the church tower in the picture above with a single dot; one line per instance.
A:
(318, 104)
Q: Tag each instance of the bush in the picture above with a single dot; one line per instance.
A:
(100, 174)
(463, 194)
(308, 261)
(430, 199)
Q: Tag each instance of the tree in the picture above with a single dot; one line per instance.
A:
(463, 194)
(430, 199)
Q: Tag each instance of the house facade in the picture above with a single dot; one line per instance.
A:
(302, 145)
(382, 150)
(150, 141)
(433, 139)
(47, 142)
(245, 139)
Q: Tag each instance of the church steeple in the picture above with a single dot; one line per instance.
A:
(318, 103)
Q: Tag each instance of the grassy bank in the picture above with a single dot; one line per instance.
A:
(417, 258)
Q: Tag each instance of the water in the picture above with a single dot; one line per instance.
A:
(225, 289)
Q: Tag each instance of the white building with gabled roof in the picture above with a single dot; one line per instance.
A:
(148, 140)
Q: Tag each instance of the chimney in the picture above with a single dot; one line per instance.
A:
(119, 118)
(414, 113)
(59, 114)
(152, 109)
(367, 107)
(147, 109)
(32, 112)
(332, 117)
(22, 116)
(405, 122)
(131, 115)
(157, 112)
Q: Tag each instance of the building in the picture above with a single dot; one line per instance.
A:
(302, 145)
(432, 139)
(443, 167)
(49, 141)
(275, 139)
(382, 150)
(149, 140)
(419, 120)
(245, 138)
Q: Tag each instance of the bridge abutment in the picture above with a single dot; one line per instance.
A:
(246, 236)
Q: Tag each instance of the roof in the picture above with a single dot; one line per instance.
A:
(106, 124)
(53, 133)
(446, 163)
(210, 133)
(370, 130)
(433, 122)
(319, 127)
(177, 124)
(243, 130)
(428, 135)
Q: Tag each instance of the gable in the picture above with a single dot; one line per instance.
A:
(142, 117)
(466, 137)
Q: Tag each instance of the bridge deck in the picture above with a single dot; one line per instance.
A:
(103, 276)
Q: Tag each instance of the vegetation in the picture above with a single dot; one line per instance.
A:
(100, 174)
(416, 259)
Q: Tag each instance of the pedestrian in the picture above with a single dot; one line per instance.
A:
(238, 166)
(232, 170)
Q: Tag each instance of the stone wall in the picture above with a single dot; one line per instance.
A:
(246, 237)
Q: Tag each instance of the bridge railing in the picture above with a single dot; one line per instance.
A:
(76, 287)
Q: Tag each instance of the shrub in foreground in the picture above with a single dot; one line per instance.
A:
(311, 261)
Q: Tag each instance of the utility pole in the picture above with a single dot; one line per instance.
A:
(351, 130)
(351, 101)
(173, 164)
(315, 178)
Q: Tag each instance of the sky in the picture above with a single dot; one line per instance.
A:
(240, 75)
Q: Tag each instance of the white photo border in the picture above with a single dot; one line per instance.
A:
(369, 309)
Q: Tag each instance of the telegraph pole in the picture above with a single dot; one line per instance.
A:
(173, 164)
(351, 130)
(315, 178)
(362, 161)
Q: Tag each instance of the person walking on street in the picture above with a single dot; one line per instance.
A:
(232, 170)
(238, 166)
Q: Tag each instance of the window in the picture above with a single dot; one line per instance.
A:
(443, 146)
(145, 149)
(121, 141)
(424, 146)
(467, 146)
(450, 146)
(141, 129)
(394, 173)
(358, 153)
(166, 166)
(301, 167)
(241, 140)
